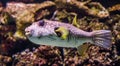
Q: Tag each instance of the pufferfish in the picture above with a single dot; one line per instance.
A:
(54, 33)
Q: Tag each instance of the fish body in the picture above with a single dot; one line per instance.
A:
(53, 40)
(43, 33)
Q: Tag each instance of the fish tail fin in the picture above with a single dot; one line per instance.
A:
(102, 38)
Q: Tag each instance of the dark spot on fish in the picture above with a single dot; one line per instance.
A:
(56, 28)
(39, 37)
(41, 23)
(58, 34)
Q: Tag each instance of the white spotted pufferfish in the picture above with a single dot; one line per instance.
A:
(54, 33)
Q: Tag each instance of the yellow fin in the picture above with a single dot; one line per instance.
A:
(82, 49)
(74, 22)
(64, 32)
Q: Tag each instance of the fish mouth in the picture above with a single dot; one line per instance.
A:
(28, 33)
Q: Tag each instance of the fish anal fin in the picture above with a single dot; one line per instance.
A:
(82, 49)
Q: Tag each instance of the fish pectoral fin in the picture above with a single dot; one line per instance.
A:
(82, 49)
(62, 32)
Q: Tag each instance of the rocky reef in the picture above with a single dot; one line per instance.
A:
(88, 15)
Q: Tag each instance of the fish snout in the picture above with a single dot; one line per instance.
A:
(28, 32)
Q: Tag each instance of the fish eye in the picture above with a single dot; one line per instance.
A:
(41, 23)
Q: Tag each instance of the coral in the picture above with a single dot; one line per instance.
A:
(116, 29)
(24, 14)
(7, 28)
(6, 18)
(90, 8)
(83, 22)
(95, 56)
(50, 56)
(96, 25)
(5, 60)
(113, 19)
(114, 8)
